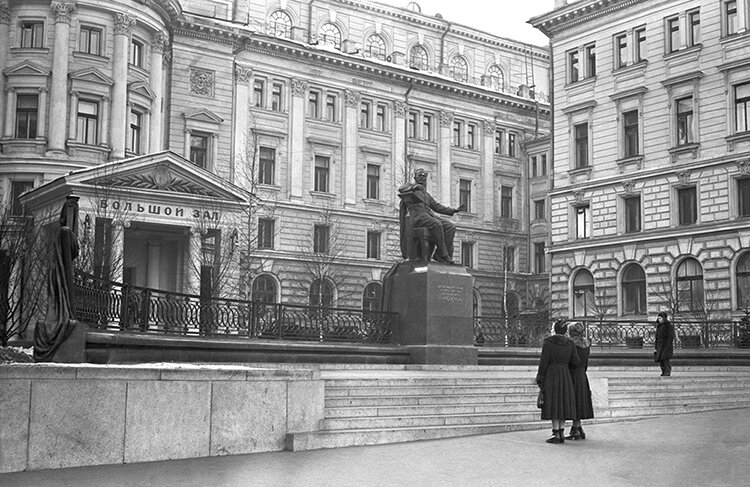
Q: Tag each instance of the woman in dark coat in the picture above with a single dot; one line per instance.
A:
(664, 343)
(558, 356)
(584, 407)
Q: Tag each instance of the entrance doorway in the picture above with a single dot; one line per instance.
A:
(154, 256)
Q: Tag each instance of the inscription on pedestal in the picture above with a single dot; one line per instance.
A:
(451, 294)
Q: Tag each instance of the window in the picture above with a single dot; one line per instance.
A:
(583, 218)
(136, 53)
(533, 167)
(259, 93)
(583, 294)
(573, 74)
(27, 112)
(266, 231)
(690, 285)
(694, 28)
(32, 34)
(639, 37)
(375, 47)
(621, 50)
(590, 60)
(330, 35)
(364, 115)
(582, 145)
(373, 245)
(418, 58)
(199, 150)
(539, 165)
(743, 193)
(313, 104)
(427, 126)
(321, 293)
(630, 136)
(467, 254)
(136, 120)
(673, 34)
(88, 122)
(499, 137)
(511, 144)
(633, 290)
(539, 258)
(459, 69)
(687, 206)
(632, 214)
(506, 201)
(458, 128)
(464, 194)
(743, 281)
(320, 239)
(471, 136)
(543, 165)
(380, 112)
(742, 107)
(276, 97)
(373, 181)
(266, 165)
(731, 20)
(280, 24)
(322, 168)
(371, 297)
(17, 188)
(264, 289)
(685, 120)
(539, 210)
(90, 40)
(497, 78)
(331, 107)
(411, 124)
(509, 259)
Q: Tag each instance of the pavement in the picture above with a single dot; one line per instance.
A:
(698, 449)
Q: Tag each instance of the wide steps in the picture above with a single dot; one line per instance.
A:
(424, 400)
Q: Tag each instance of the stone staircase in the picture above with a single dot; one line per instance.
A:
(369, 406)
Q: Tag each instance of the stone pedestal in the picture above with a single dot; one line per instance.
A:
(73, 349)
(434, 303)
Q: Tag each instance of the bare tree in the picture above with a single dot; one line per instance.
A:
(604, 304)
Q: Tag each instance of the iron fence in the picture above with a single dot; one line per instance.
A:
(113, 306)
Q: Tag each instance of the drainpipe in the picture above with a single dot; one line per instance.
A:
(442, 46)
(406, 134)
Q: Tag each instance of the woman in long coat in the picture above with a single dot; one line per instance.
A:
(584, 406)
(558, 357)
(664, 343)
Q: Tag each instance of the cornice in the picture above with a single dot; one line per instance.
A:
(578, 13)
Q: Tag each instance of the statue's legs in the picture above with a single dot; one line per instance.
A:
(449, 231)
(435, 228)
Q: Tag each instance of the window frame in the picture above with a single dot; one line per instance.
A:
(640, 47)
(280, 18)
(742, 281)
(464, 193)
(137, 50)
(259, 93)
(330, 34)
(731, 22)
(322, 174)
(277, 96)
(631, 133)
(743, 197)
(587, 291)
(266, 165)
(419, 58)
(582, 219)
(35, 28)
(632, 220)
(90, 121)
(373, 182)
(744, 101)
(581, 145)
(135, 130)
(590, 56)
(672, 33)
(621, 50)
(266, 233)
(540, 258)
(29, 116)
(684, 121)
(506, 201)
(687, 215)
(573, 64)
(467, 254)
(692, 17)
(540, 209)
(321, 238)
(373, 242)
(197, 150)
(691, 284)
(89, 30)
(633, 291)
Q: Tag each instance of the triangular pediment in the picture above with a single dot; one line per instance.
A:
(92, 75)
(203, 115)
(26, 68)
(141, 88)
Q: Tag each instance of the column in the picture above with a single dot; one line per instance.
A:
(242, 153)
(444, 158)
(4, 35)
(9, 115)
(119, 109)
(41, 124)
(154, 257)
(59, 85)
(349, 153)
(156, 82)
(297, 138)
(118, 248)
(106, 105)
(488, 170)
(402, 168)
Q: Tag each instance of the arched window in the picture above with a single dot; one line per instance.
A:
(371, 297)
(633, 290)
(497, 78)
(321, 293)
(690, 285)
(583, 294)
(280, 24)
(743, 281)
(375, 47)
(330, 35)
(264, 289)
(418, 58)
(459, 69)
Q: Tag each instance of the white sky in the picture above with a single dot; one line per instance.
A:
(504, 18)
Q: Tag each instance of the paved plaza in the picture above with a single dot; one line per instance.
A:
(698, 449)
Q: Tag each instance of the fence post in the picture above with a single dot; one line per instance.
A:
(124, 311)
(144, 308)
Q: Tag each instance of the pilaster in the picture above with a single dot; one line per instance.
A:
(59, 85)
(444, 157)
(119, 114)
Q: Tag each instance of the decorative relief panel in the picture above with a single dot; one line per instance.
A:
(201, 82)
(299, 87)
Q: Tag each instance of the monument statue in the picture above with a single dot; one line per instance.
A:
(59, 320)
(421, 231)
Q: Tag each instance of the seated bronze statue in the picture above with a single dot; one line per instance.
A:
(422, 232)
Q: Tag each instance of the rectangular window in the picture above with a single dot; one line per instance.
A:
(539, 210)
(467, 254)
(509, 259)
(199, 150)
(582, 145)
(687, 205)
(639, 37)
(543, 165)
(322, 168)
(320, 239)
(276, 97)
(630, 135)
(266, 230)
(534, 169)
(32, 34)
(458, 129)
(742, 107)
(17, 188)
(364, 115)
(380, 113)
(583, 216)
(499, 137)
(266, 165)
(464, 194)
(573, 74)
(136, 53)
(673, 34)
(136, 119)
(411, 125)
(427, 126)
(506, 201)
(27, 113)
(331, 107)
(590, 61)
(511, 144)
(90, 40)
(694, 27)
(471, 136)
(313, 104)
(259, 93)
(621, 50)
(633, 214)
(373, 245)
(88, 122)
(685, 120)
(373, 181)
(539, 258)
(731, 20)
(743, 193)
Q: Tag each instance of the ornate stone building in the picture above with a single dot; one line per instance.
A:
(651, 188)
(269, 138)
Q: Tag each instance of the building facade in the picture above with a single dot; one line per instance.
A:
(257, 146)
(650, 193)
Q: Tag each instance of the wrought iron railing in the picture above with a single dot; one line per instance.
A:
(113, 306)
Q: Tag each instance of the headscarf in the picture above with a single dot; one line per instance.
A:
(576, 331)
(664, 315)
